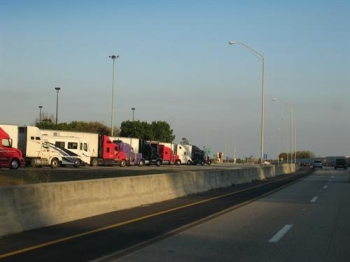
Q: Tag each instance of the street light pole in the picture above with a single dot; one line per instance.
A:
(133, 111)
(113, 57)
(40, 107)
(292, 135)
(262, 58)
(57, 90)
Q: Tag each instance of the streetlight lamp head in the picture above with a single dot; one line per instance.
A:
(232, 42)
(57, 88)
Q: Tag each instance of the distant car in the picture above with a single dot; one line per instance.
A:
(340, 163)
(317, 164)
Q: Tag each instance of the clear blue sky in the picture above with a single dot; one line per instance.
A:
(176, 65)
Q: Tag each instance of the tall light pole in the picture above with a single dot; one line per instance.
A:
(57, 90)
(262, 58)
(292, 145)
(40, 107)
(133, 112)
(113, 57)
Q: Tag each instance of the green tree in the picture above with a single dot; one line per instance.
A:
(157, 130)
(299, 155)
(162, 132)
(79, 126)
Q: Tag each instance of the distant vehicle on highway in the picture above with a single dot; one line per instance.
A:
(317, 164)
(340, 163)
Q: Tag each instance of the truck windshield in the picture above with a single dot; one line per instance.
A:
(6, 142)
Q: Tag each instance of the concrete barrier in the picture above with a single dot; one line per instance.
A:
(38, 205)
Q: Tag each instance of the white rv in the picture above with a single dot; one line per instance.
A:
(73, 147)
(85, 145)
(36, 150)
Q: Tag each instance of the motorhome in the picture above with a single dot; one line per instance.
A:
(36, 150)
(91, 148)
(74, 147)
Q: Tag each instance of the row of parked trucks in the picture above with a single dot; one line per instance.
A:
(28, 145)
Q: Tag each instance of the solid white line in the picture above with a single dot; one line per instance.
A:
(314, 199)
(281, 233)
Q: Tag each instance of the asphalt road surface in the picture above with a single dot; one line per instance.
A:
(307, 221)
(264, 221)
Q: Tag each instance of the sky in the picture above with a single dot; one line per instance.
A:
(175, 64)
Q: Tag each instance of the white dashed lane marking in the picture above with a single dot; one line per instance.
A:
(280, 234)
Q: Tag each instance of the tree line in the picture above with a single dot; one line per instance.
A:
(297, 155)
(156, 130)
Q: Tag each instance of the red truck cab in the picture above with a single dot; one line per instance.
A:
(10, 157)
(110, 153)
(168, 155)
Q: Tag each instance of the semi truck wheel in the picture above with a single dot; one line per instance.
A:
(14, 164)
(178, 162)
(54, 163)
(141, 163)
(77, 163)
(94, 162)
(158, 163)
(123, 163)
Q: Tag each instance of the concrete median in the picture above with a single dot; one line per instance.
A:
(39, 205)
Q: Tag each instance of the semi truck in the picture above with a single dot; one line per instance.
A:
(179, 153)
(142, 152)
(10, 157)
(167, 154)
(148, 153)
(197, 155)
(91, 148)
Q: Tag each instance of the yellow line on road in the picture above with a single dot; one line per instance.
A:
(60, 240)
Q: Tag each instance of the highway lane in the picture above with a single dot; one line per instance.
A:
(307, 221)
(97, 237)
